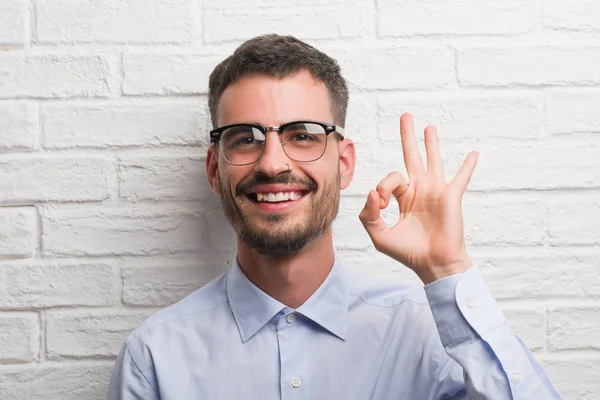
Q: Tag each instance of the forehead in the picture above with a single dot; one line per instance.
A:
(271, 101)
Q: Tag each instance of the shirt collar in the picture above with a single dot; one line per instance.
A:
(252, 308)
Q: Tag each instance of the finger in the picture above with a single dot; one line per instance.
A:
(412, 157)
(394, 183)
(463, 177)
(370, 216)
(435, 164)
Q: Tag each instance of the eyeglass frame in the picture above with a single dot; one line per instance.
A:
(215, 135)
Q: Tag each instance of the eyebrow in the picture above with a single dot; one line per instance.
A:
(259, 124)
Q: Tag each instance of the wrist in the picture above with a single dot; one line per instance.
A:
(440, 272)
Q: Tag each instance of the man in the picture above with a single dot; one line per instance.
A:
(289, 320)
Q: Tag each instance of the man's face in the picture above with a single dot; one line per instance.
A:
(282, 228)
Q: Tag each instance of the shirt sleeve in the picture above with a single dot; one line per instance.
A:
(128, 382)
(474, 332)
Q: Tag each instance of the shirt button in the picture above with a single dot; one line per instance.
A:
(515, 378)
(291, 318)
(296, 382)
(471, 302)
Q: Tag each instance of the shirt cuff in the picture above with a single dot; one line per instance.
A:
(463, 306)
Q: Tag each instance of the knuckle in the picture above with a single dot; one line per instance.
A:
(391, 180)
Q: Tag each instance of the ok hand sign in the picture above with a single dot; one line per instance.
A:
(428, 238)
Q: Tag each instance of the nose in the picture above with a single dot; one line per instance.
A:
(273, 160)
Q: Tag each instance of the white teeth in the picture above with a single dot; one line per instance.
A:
(276, 197)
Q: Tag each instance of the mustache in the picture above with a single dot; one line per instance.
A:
(246, 185)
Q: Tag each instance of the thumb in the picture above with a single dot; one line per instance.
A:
(370, 216)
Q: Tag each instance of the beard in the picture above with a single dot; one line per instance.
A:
(280, 240)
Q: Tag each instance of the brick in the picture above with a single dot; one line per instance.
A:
(575, 221)
(114, 21)
(553, 274)
(164, 282)
(48, 284)
(125, 230)
(53, 76)
(13, 20)
(529, 325)
(539, 165)
(143, 123)
(470, 17)
(362, 118)
(325, 20)
(504, 222)
(17, 231)
(523, 66)
(221, 236)
(73, 381)
(89, 334)
(575, 378)
(163, 178)
(582, 15)
(572, 112)
(19, 337)
(573, 328)
(39, 178)
(479, 116)
(420, 67)
(165, 74)
(19, 125)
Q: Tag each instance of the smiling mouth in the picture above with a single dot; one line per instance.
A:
(277, 197)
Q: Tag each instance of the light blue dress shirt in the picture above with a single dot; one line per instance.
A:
(358, 336)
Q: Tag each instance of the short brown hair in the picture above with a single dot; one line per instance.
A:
(279, 56)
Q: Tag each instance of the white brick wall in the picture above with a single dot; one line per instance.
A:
(13, 20)
(105, 215)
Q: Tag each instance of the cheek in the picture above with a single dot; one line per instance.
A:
(324, 174)
(224, 180)
(231, 177)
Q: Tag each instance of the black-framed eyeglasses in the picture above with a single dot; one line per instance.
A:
(302, 141)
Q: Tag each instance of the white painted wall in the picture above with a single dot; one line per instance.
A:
(105, 215)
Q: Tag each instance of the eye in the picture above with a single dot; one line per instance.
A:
(305, 132)
(241, 136)
(244, 141)
(301, 137)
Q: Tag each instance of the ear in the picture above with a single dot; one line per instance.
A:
(347, 162)
(212, 167)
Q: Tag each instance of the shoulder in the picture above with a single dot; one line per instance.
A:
(195, 305)
(381, 291)
(383, 302)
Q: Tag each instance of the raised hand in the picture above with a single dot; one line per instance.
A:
(428, 237)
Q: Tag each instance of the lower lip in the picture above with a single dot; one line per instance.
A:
(280, 206)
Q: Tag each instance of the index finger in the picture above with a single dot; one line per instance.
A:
(412, 157)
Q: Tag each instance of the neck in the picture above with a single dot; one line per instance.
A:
(293, 280)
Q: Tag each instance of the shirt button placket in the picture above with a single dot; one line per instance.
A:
(289, 328)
